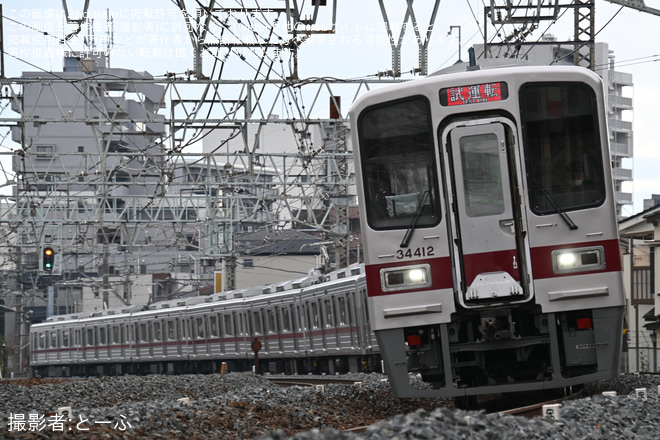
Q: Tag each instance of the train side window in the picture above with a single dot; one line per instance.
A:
(199, 327)
(157, 335)
(115, 334)
(102, 339)
(228, 325)
(90, 337)
(315, 317)
(170, 330)
(563, 149)
(343, 311)
(329, 313)
(65, 338)
(42, 340)
(242, 324)
(398, 164)
(351, 305)
(256, 315)
(143, 332)
(273, 326)
(131, 333)
(76, 338)
(213, 324)
(300, 318)
(286, 319)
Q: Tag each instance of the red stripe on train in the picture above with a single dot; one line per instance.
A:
(441, 270)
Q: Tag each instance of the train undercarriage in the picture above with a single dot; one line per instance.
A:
(505, 350)
(270, 365)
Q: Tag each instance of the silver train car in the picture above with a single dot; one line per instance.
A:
(489, 227)
(319, 327)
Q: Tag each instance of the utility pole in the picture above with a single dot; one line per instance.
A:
(2, 45)
(527, 16)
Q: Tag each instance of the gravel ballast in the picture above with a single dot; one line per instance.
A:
(245, 406)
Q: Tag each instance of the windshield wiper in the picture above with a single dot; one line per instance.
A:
(413, 223)
(572, 226)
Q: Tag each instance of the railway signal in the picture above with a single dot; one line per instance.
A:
(48, 259)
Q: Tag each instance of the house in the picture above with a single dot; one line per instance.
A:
(270, 257)
(640, 236)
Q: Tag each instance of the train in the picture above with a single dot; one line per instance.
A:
(488, 219)
(316, 324)
(491, 255)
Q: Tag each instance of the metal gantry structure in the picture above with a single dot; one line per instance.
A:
(109, 172)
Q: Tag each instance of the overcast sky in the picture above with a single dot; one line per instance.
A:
(150, 35)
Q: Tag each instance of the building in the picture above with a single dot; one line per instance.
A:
(269, 257)
(96, 183)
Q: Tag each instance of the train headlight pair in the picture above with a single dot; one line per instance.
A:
(578, 260)
(408, 277)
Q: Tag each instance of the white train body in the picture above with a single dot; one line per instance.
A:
(488, 219)
(320, 328)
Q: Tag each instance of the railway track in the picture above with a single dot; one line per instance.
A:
(536, 409)
(308, 381)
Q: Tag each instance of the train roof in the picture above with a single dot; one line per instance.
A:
(240, 296)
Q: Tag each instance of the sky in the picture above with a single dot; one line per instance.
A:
(150, 35)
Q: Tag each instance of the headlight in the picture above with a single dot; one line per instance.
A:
(402, 278)
(578, 260)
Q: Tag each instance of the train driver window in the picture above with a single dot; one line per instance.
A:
(563, 149)
(398, 164)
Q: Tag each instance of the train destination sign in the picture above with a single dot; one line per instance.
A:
(474, 94)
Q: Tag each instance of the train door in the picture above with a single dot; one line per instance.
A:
(489, 252)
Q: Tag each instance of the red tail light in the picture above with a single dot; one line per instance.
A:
(584, 324)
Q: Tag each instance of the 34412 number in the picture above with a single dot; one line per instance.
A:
(424, 251)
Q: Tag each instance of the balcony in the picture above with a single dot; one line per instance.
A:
(622, 174)
(623, 198)
(621, 149)
(621, 78)
(620, 102)
(619, 125)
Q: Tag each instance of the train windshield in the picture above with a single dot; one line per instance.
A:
(398, 161)
(562, 147)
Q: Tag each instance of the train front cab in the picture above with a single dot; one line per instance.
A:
(491, 243)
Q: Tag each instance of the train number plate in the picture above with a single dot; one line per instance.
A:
(419, 252)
